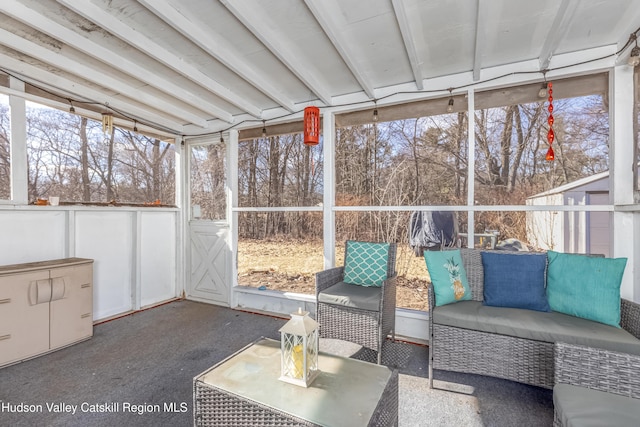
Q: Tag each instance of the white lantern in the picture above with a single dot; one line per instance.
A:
(299, 349)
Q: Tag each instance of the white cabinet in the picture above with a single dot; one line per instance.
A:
(44, 306)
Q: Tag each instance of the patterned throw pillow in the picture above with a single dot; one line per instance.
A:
(448, 276)
(366, 263)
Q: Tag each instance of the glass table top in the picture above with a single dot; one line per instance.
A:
(345, 393)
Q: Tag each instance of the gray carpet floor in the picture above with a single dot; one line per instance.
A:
(151, 357)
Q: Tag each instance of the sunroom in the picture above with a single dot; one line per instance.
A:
(164, 139)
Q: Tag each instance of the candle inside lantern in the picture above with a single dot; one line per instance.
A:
(298, 361)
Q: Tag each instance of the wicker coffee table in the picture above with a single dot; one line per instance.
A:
(244, 390)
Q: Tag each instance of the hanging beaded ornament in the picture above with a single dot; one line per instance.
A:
(550, 135)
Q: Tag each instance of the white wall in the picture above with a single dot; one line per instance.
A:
(544, 228)
(134, 249)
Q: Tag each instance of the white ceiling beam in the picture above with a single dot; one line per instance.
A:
(179, 18)
(558, 30)
(42, 23)
(92, 74)
(249, 15)
(330, 22)
(482, 18)
(116, 27)
(86, 92)
(409, 44)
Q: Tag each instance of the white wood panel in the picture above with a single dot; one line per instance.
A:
(32, 236)
(158, 257)
(107, 237)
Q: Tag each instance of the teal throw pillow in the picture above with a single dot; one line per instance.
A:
(365, 263)
(448, 276)
(584, 286)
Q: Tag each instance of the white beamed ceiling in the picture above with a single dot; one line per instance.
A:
(192, 67)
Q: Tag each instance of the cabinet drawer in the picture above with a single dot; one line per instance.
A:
(71, 315)
(24, 324)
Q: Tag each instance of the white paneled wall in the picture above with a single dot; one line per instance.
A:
(134, 249)
(158, 272)
(35, 236)
(108, 239)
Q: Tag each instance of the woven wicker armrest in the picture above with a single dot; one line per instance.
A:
(630, 317)
(388, 301)
(431, 296)
(327, 278)
(389, 286)
(597, 369)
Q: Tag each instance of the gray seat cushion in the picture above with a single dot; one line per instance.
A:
(582, 407)
(362, 297)
(535, 325)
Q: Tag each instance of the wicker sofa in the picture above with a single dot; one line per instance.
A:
(595, 387)
(512, 343)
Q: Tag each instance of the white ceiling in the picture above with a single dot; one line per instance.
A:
(201, 66)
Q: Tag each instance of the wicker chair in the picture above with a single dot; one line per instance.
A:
(589, 371)
(368, 328)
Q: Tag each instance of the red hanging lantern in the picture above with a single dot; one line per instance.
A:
(311, 126)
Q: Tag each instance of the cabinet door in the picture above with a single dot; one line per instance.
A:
(71, 304)
(24, 315)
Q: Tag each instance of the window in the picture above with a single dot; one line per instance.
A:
(70, 157)
(279, 245)
(404, 162)
(511, 144)
(511, 169)
(418, 161)
(208, 182)
(279, 171)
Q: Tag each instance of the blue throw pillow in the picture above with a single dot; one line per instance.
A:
(515, 280)
(448, 276)
(586, 287)
(365, 263)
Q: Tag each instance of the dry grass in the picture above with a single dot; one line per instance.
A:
(290, 266)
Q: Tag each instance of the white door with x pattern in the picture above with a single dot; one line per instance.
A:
(209, 250)
(209, 266)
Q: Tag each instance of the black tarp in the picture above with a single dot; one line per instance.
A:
(430, 230)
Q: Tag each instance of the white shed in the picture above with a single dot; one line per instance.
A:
(572, 231)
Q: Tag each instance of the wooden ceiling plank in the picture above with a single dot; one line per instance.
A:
(44, 24)
(329, 23)
(116, 27)
(558, 30)
(92, 74)
(409, 43)
(176, 16)
(278, 45)
(86, 92)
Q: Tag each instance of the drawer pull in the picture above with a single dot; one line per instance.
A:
(5, 301)
(85, 315)
(85, 285)
(5, 337)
